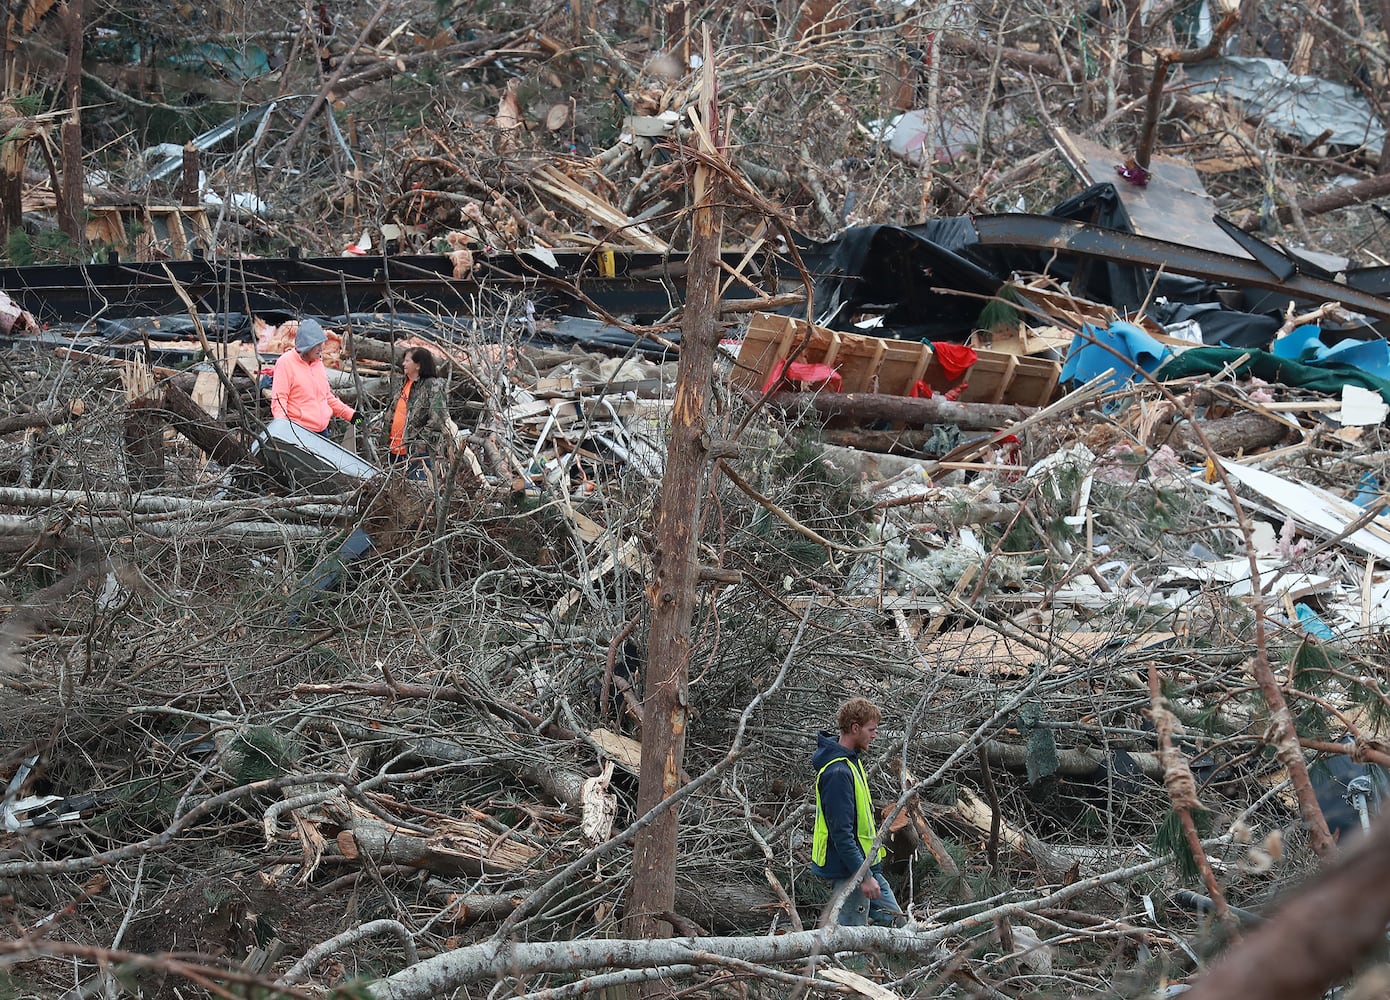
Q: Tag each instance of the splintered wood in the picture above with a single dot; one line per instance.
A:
(983, 650)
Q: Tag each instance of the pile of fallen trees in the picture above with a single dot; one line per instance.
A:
(425, 771)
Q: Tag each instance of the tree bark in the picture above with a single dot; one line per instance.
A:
(1246, 432)
(866, 407)
(494, 960)
(36, 418)
(71, 208)
(1352, 194)
(144, 447)
(462, 849)
(673, 588)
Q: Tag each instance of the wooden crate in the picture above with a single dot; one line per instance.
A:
(988, 378)
(859, 360)
(771, 340)
(159, 232)
(1034, 383)
(865, 364)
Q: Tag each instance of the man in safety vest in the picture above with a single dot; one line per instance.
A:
(845, 827)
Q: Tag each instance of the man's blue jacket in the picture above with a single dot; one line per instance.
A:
(843, 855)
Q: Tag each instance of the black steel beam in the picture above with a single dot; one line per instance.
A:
(1042, 232)
(645, 285)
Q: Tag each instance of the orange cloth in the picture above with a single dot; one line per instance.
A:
(398, 418)
(299, 392)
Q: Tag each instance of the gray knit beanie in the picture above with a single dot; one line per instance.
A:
(310, 334)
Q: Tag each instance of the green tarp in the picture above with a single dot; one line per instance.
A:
(1327, 379)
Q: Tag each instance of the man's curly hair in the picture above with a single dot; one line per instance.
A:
(858, 712)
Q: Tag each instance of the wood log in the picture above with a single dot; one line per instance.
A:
(562, 784)
(48, 417)
(908, 443)
(251, 534)
(870, 407)
(868, 466)
(458, 847)
(1244, 432)
(187, 417)
(472, 907)
(495, 961)
(97, 502)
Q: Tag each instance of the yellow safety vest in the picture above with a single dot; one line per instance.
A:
(864, 831)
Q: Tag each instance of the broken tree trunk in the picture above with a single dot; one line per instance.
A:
(144, 446)
(71, 210)
(865, 407)
(459, 848)
(189, 419)
(672, 589)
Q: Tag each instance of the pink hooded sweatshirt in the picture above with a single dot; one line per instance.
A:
(299, 391)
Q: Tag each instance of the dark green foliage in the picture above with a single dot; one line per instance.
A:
(27, 104)
(1309, 666)
(52, 246)
(999, 312)
(19, 251)
(1169, 839)
(260, 753)
(1371, 694)
(1207, 719)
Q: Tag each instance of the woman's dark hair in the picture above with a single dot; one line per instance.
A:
(422, 357)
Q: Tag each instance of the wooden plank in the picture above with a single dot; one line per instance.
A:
(982, 650)
(989, 377)
(858, 361)
(1033, 383)
(598, 209)
(1173, 205)
(771, 339)
(767, 342)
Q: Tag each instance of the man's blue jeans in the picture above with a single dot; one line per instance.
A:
(859, 910)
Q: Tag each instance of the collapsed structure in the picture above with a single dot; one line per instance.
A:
(1091, 502)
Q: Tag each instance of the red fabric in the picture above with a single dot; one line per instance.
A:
(954, 394)
(920, 391)
(955, 359)
(805, 372)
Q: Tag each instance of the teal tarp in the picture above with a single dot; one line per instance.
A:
(1327, 379)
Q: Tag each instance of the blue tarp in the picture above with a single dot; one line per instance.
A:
(1123, 346)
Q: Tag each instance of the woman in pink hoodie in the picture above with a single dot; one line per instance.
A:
(299, 386)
